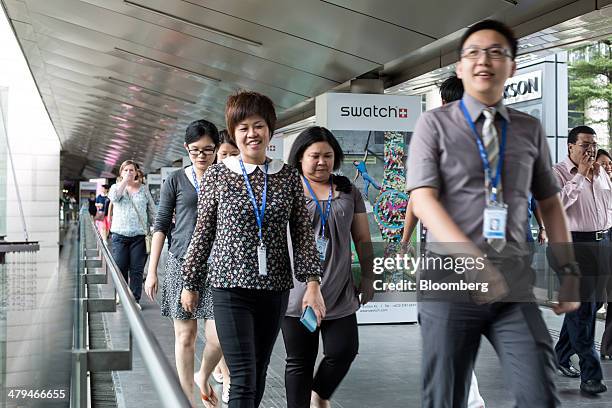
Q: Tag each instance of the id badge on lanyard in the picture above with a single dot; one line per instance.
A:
(496, 212)
(321, 242)
(262, 260)
(494, 221)
(259, 217)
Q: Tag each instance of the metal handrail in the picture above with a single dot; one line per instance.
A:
(161, 372)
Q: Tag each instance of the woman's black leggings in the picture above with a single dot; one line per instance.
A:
(340, 346)
(248, 322)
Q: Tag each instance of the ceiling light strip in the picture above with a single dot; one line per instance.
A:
(146, 90)
(166, 65)
(135, 107)
(194, 24)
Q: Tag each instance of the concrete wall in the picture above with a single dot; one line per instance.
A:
(36, 156)
(551, 109)
(36, 159)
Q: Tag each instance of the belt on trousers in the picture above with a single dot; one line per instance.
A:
(591, 236)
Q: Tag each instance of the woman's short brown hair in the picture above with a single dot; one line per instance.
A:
(124, 165)
(245, 104)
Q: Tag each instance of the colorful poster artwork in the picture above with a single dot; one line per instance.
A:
(391, 203)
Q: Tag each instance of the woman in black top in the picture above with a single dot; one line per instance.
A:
(91, 204)
(245, 206)
(179, 196)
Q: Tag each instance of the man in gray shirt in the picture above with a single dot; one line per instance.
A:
(453, 194)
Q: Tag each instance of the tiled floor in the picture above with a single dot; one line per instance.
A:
(386, 373)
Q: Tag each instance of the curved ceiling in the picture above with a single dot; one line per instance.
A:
(121, 79)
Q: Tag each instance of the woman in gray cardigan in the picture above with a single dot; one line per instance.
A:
(179, 197)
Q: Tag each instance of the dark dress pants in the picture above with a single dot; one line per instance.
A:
(451, 335)
(340, 346)
(248, 322)
(577, 334)
(606, 338)
(130, 255)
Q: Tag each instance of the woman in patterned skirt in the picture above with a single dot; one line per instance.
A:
(179, 195)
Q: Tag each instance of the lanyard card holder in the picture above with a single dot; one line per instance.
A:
(261, 260)
(494, 221)
(322, 242)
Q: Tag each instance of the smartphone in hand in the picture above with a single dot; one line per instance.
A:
(309, 319)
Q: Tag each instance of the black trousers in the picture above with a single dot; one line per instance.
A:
(130, 255)
(606, 338)
(248, 322)
(577, 334)
(340, 346)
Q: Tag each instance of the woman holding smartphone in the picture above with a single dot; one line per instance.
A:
(337, 212)
(244, 207)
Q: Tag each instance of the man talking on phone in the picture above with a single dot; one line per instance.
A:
(586, 194)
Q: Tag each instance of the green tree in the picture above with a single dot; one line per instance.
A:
(590, 80)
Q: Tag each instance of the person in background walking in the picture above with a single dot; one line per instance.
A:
(133, 213)
(605, 161)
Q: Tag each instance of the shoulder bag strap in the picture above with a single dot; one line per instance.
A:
(142, 224)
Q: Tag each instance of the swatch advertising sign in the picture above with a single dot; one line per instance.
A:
(350, 111)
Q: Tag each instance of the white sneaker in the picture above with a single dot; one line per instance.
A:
(138, 306)
(117, 299)
(225, 394)
(218, 377)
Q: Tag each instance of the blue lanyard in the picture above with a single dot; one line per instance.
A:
(494, 181)
(324, 215)
(195, 181)
(259, 213)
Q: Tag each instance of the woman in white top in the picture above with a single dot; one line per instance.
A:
(134, 212)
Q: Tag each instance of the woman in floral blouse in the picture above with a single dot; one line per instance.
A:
(244, 207)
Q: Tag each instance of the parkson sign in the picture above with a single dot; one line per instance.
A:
(524, 87)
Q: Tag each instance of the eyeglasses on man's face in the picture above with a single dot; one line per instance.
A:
(491, 52)
(208, 151)
(587, 146)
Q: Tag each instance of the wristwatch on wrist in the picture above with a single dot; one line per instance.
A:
(314, 278)
(570, 269)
